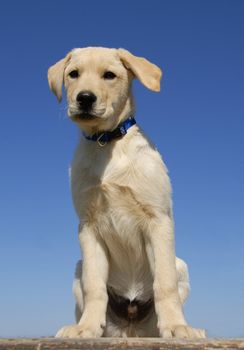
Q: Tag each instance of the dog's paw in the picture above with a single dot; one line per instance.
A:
(182, 332)
(78, 331)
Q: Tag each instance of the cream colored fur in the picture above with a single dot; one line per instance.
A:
(122, 195)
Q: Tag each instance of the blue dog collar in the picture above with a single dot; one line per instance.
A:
(104, 137)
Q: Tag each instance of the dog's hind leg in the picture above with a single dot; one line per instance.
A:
(183, 279)
(77, 291)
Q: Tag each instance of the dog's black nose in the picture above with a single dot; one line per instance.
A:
(86, 100)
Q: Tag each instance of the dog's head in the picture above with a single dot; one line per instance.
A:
(98, 83)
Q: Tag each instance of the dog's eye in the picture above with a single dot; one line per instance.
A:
(109, 75)
(74, 74)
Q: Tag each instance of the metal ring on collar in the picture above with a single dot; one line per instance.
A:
(101, 143)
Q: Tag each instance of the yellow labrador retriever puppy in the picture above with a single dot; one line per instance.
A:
(130, 283)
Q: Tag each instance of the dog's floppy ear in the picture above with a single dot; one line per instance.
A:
(148, 73)
(55, 76)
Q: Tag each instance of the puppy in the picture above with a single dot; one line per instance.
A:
(130, 283)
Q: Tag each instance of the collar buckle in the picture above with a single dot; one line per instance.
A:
(122, 130)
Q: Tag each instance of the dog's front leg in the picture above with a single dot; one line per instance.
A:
(161, 254)
(94, 278)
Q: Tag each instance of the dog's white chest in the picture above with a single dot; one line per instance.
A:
(115, 190)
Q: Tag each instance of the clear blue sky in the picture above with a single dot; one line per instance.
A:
(196, 121)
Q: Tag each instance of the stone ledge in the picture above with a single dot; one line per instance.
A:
(119, 344)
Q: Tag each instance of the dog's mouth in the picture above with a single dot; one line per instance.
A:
(83, 116)
(86, 116)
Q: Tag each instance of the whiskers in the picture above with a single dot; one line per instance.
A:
(99, 110)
